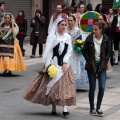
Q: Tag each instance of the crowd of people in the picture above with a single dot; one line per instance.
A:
(77, 67)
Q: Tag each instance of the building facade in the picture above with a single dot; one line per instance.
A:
(48, 7)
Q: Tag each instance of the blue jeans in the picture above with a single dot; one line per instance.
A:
(92, 86)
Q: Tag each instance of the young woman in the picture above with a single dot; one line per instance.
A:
(98, 8)
(78, 61)
(96, 50)
(22, 24)
(77, 15)
(10, 53)
(59, 90)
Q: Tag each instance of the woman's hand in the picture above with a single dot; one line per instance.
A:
(44, 69)
(64, 67)
(12, 26)
(33, 21)
(12, 23)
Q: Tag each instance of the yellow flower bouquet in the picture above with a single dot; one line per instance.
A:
(52, 71)
(77, 45)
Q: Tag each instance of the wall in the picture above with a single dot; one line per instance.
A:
(95, 2)
(36, 4)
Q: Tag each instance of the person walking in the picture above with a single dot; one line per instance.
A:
(38, 33)
(60, 89)
(22, 24)
(2, 10)
(10, 54)
(78, 61)
(97, 51)
(116, 34)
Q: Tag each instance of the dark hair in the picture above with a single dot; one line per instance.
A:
(81, 4)
(89, 7)
(1, 3)
(73, 3)
(72, 17)
(75, 8)
(23, 13)
(61, 21)
(103, 10)
(8, 14)
(64, 5)
(97, 8)
(99, 24)
(60, 5)
(67, 10)
(38, 11)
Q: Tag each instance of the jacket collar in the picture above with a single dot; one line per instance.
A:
(90, 38)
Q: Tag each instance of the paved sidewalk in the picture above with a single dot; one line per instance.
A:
(111, 101)
(28, 48)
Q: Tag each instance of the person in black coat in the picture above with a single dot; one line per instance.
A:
(38, 35)
(116, 34)
(22, 24)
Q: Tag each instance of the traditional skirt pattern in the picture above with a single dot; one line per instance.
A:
(13, 63)
(82, 82)
(78, 64)
(62, 93)
(7, 47)
(87, 20)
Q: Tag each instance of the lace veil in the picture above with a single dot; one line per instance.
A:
(3, 20)
(50, 37)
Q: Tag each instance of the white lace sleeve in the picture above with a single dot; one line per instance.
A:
(15, 30)
(69, 52)
(50, 24)
(49, 58)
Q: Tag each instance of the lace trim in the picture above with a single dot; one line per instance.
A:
(8, 46)
(6, 54)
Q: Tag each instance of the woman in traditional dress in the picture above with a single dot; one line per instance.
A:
(78, 61)
(10, 54)
(59, 90)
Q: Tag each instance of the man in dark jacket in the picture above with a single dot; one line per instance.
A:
(116, 34)
(2, 10)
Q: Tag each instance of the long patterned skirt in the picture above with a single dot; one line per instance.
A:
(62, 93)
(15, 63)
(80, 74)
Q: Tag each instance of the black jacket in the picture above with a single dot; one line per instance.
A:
(114, 23)
(89, 53)
(23, 26)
